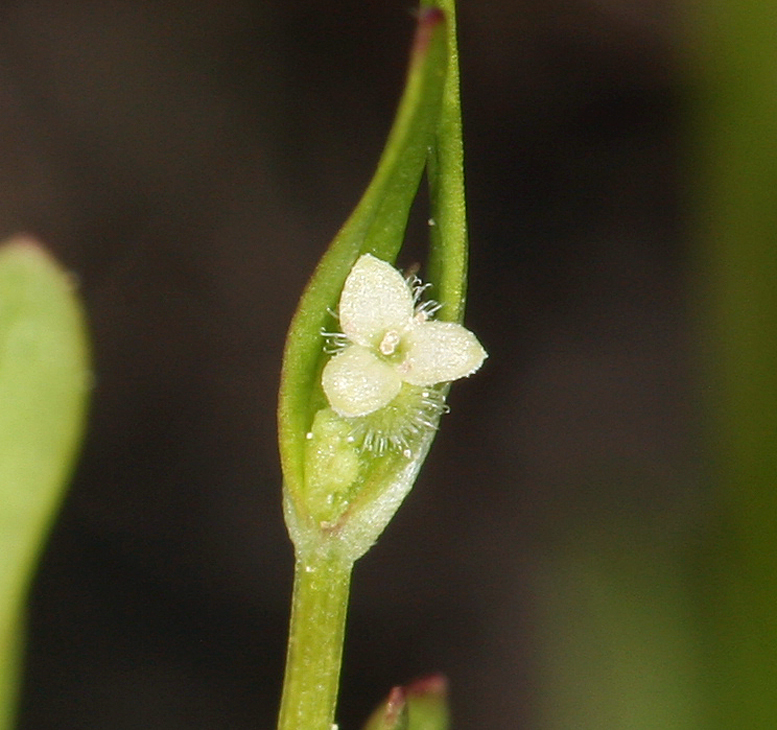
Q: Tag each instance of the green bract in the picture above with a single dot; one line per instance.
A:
(346, 517)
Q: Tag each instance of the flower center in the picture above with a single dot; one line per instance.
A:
(388, 344)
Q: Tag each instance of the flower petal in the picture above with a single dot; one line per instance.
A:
(375, 299)
(357, 382)
(437, 352)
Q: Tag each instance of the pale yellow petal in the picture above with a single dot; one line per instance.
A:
(375, 300)
(357, 382)
(437, 352)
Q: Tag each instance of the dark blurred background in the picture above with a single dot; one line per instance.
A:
(189, 162)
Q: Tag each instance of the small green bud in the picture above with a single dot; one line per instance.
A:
(331, 466)
(390, 714)
(421, 705)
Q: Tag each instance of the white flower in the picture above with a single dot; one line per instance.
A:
(390, 341)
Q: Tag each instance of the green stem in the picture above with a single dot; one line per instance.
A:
(319, 606)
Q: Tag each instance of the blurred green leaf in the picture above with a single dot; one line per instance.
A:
(43, 388)
(732, 45)
(613, 630)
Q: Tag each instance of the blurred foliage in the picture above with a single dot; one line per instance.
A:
(735, 180)
(635, 630)
(615, 638)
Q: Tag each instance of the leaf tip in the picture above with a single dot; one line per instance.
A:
(429, 19)
(23, 247)
(23, 243)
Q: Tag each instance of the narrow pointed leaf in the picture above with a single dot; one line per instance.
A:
(448, 221)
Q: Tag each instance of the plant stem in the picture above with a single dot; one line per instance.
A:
(319, 606)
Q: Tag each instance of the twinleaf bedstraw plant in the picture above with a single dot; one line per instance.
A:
(368, 360)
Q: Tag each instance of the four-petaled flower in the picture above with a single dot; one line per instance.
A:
(388, 341)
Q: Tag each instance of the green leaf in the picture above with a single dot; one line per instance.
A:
(376, 226)
(735, 195)
(43, 387)
(448, 229)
